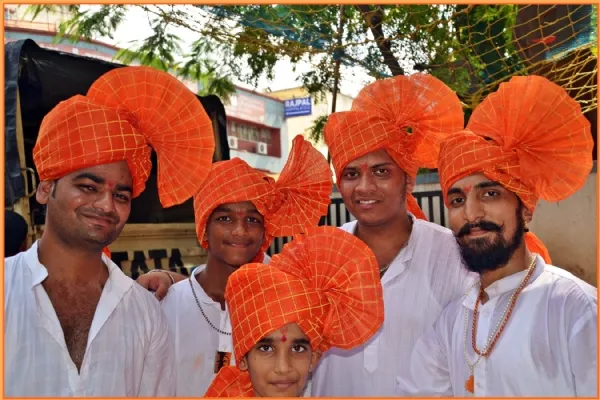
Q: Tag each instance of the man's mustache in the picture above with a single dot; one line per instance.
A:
(483, 225)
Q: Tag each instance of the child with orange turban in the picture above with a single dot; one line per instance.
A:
(525, 328)
(322, 290)
(238, 213)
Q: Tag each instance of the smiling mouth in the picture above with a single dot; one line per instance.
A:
(283, 384)
(99, 221)
(475, 232)
(239, 245)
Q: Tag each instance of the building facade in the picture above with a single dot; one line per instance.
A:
(255, 124)
(301, 116)
(256, 130)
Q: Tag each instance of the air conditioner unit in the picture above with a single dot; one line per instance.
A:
(262, 148)
(233, 142)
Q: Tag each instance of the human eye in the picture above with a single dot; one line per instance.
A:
(122, 198)
(350, 174)
(456, 201)
(265, 348)
(299, 348)
(491, 193)
(381, 172)
(87, 188)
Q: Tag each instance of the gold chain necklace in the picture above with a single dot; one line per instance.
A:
(491, 340)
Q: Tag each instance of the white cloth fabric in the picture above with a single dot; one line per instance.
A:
(129, 351)
(425, 276)
(548, 347)
(196, 342)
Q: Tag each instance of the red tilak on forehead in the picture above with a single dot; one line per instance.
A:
(468, 188)
(364, 167)
(283, 332)
(239, 213)
(111, 184)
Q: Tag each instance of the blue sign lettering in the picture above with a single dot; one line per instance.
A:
(298, 107)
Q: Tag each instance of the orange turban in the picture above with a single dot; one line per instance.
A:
(126, 113)
(530, 137)
(295, 202)
(326, 281)
(408, 116)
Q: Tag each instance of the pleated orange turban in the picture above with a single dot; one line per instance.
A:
(126, 113)
(530, 137)
(326, 281)
(298, 199)
(408, 116)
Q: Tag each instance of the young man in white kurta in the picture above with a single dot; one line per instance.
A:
(129, 351)
(549, 348)
(377, 149)
(424, 277)
(536, 325)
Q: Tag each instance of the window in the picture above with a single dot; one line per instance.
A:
(249, 132)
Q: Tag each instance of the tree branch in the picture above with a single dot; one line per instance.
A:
(374, 20)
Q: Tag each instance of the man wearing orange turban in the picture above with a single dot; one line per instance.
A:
(238, 212)
(75, 325)
(322, 290)
(395, 126)
(525, 328)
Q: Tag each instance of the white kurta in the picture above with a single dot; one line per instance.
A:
(425, 276)
(196, 342)
(129, 351)
(548, 347)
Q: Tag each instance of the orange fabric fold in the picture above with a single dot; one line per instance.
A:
(126, 113)
(106, 252)
(408, 116)
(296, 201)
(530, 137)
(535, 245)
(326, 281)
(231, 382)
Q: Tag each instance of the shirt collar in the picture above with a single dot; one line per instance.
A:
(38, 271)
(202, 296)
(401, 261)
(504, 285)
(118, 280)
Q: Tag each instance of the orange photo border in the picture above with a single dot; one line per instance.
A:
(233, 2)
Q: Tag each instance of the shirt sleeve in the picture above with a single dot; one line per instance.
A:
(426, 374)
(583, 352)
(159, 376)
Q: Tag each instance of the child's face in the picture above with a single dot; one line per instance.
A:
(235, 233)
(280, 363)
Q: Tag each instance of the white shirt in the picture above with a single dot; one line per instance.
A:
(129, 352)
(425, 276)
(548, 347)
(196, 342)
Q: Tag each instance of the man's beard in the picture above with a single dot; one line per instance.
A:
(481, 255)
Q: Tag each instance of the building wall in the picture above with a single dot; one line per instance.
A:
(300, 125)
(260, 111)
(569, 229)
